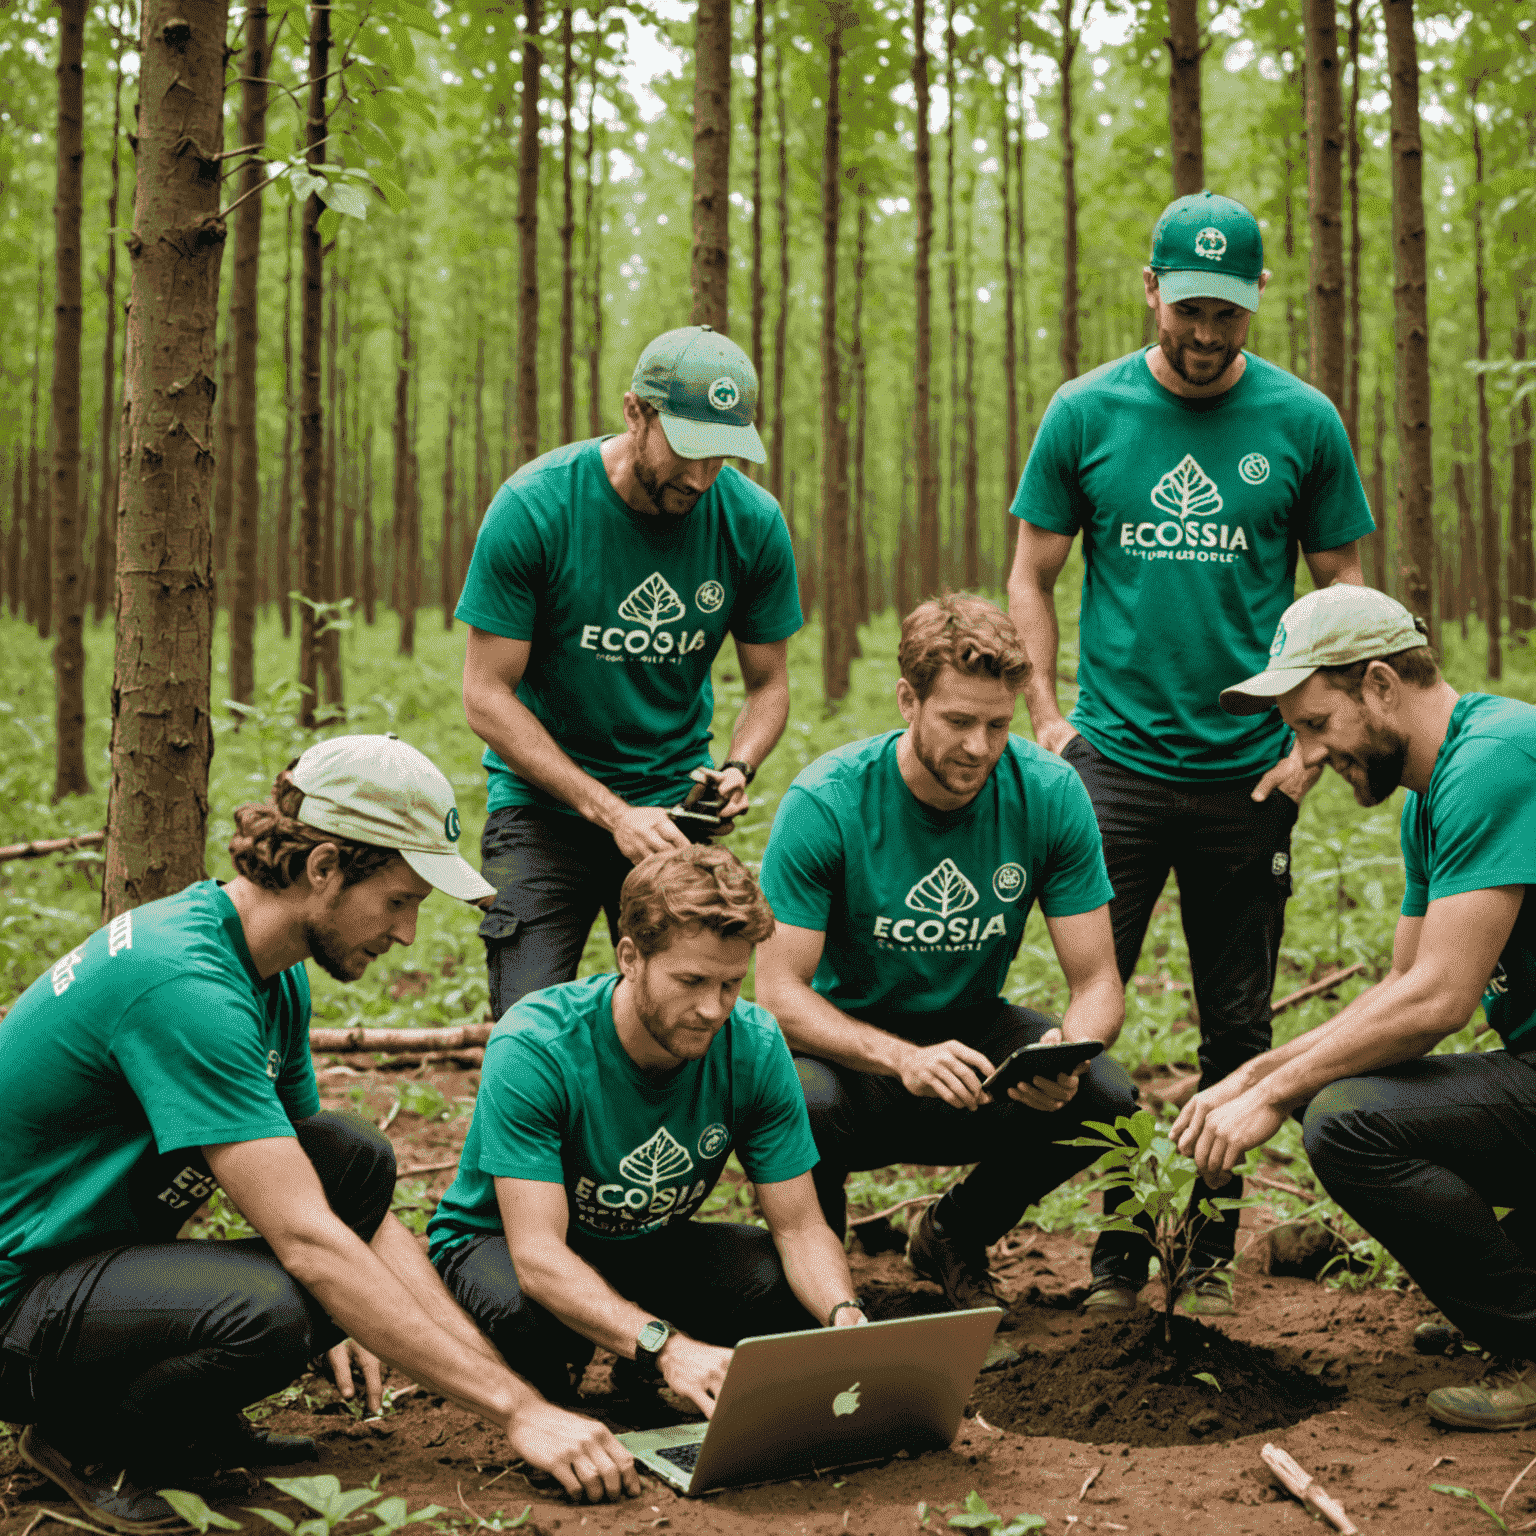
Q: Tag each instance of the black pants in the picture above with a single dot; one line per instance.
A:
(1419, 1154)
(553, 874)
(135, 1352)
(717, 1281)
(863, 1121)
(1232, 857)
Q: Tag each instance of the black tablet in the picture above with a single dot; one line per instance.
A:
(1031, 1061)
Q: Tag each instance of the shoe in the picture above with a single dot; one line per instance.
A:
(1437, 1337)
(960, 1269)
(1504, 1399)
(107, 1495)
(239, 1443)
(1109, 1293)
(1209, 1295)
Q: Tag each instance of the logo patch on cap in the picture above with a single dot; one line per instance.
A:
(1279, 864)
(451, 824)
(1254, 468)
(723, 393)
(1211, 244)
(1278, 643)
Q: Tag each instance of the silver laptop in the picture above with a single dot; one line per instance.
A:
(794, 1403)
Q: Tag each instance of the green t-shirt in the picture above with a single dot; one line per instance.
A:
(923, 910)
(625, 612)
(1474, 828)
(154, 1036)
(1191, 511)
(562, 1102)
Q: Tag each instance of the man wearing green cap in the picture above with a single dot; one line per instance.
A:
(1194, 471)
(166, 1057)
(1418, 1148)
(605, 579)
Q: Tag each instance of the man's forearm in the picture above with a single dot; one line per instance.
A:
(761, 722)
(1096, 1011)
(815, 1027)
(1034, 615)
(816, 1267)
(577, 1294)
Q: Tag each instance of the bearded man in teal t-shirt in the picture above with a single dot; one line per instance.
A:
(902, 870)
(1193, 470)
(605, 579)
(1421, 1149)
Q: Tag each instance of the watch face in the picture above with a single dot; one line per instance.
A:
(652, 1337)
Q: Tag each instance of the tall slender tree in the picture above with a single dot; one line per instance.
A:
(284, 536)
(1492, 606)
(781, 322)
(567, 228)
(447, 567)
(162, 740)
(1021, 185)
(952, 401)
(346, 445)
(1352, 270)
(1410, 288)
(1325, 203)
(758, 87)
(970, 468)
(858, 555)
(39, 566)
(244, 315)
(330, 634)
(1185, 128)
(69, 776)
(836, 605)
(1376, 487)
(1522, 555)
(927, 490)
(528, 238)
(368, 575)
(1011, 464)
(592, 240)
(711, 269)
(1070, 346)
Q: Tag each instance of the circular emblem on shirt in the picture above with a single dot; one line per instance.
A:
(273, 1062)
(451, 824)
(714, 1140)
(1254, 468)
(1279, 864)
(1211, 244)
(723, 393)
(1008, 882)
(710, 596)
(1278, 643)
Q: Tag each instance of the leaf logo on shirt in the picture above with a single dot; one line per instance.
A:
(943, 892)
(654, 1162)
(652, 603)
(1186, 491)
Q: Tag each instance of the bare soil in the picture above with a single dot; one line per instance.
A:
(1033, 1439)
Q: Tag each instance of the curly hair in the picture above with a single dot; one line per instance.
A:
(271, 844)
(964, 632)
(681, 887)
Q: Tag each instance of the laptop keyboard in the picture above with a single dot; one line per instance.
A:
(683, 1456)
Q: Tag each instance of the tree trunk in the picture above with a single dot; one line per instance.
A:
(711, 269)
(970, 465)
(567, 232)
(1011, 465)
(902, 592)
(244, 314)
(39, 544)
(1415, 465)
(330, 638)
(69, 776)
(927, 488)
(369, 577)
(227, 454)
(446, 567)
(1071, 345)
(1352, 272)
(1021, 200)
(15, 539)
(836, 605)
(1458, 601)
(1491, 601)
(346, 451)
(528, 240)
(104, 570)
(284, 537)
(1184, 126)
(1377, 487)
(162, 742)
(1522, 557)
(401, 563)
(311, 428)
(858, 574)
(1325, 200)
(508, 459)
(592, 238)
(757, 215)
(951, 278)
(781, 322)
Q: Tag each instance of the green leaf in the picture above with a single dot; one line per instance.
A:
(1206, 1376)
(343, 197)
(977, 1515)
(317, 1492)
(303, 183)
(1022, 1524)
(196, 1512)
(281, 1521)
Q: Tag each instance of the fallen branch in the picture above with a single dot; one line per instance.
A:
(413, 1173)
(44, 846)
(901, 1205)
(1307, 1489)
(413, 1040)
(1313, 989)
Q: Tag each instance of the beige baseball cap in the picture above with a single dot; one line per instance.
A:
(379, 790)
(1329, 628)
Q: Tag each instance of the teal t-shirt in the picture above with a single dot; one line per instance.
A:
(154, 1036)
(1474, 828)
(923, 910)
(1191, 512)
(625, 612)
(562, 1102)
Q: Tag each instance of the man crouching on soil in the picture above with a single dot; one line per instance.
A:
(606, 1111)
(168, 1054)
(1419, 1149)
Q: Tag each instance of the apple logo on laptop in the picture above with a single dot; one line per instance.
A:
(846, 1402)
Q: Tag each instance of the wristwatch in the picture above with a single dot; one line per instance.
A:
(649, 1343)
(748, 772)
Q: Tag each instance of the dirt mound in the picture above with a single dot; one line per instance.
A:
(1121, 1383)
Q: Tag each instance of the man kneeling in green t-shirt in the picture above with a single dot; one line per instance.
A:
(168, 1055)
(903, 869)
(606, 1111)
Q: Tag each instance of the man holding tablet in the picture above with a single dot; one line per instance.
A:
(902, 870)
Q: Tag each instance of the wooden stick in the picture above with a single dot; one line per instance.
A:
(1505, 1500)
(413, 1040)
(411, 1173)
(1313, 989)
(901, 1205)
(1307, 1489)
(44, 846)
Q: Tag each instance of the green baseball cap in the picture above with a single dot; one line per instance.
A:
(379, 790)
(1328, 628)
(705, 388)
(1207, 246)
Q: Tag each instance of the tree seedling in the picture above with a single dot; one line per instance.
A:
(323, 1495)
(196, 1512)
(978, 1516)
(1499, 1522)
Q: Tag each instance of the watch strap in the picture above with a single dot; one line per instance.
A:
(748, 772)
(853, 1302)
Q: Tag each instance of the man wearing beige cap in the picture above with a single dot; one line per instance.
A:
(168, 1055)
(605, 579)
(1418, 1148)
